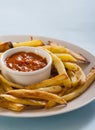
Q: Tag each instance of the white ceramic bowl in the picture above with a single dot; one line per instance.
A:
(26, 78)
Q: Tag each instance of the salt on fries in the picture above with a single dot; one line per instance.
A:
(68, 80)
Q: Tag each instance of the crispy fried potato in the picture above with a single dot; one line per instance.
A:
(6, 87)
(35, 94)
(22, 100)
(50, 104)
(57, 80)
(71, 66)
(61, 49)
(66, 57)
(1, 89)
(78, 56)
(5, 46)
(58, 64)
(3, 80)
(80, 76)
(79, 90)
(74, 80)
(78, 72)
(56, 49)
(33, 43)
(51, 89)
(61, 69)
(11, 106)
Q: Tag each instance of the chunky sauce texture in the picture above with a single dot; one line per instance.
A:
(25, 61)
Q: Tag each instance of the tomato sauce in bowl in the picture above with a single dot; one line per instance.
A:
(26, 65)
(25, 61)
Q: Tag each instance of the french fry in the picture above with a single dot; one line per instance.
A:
(80, 76)
(56, 49)
(22, 100)
(78, 56)
(33, 43)
(11, 106)
(58, 64)
(1, 89)
(50, 104)
(77, 70)
(71, 66)
(57, 80)
(74, 80)
(79, 90)
(9, 83)
(66, 57)
(5, 46)
(51, 89)
(62, 49)
(61, 69)
(35, 94)
(6, 87)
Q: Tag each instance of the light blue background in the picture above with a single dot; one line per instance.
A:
(70, 20)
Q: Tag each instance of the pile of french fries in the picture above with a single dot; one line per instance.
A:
(67, 80)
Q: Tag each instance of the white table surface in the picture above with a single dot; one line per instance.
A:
(70, 20)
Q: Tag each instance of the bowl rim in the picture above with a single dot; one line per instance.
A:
(24, 49)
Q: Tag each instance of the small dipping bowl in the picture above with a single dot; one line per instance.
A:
(26, 78)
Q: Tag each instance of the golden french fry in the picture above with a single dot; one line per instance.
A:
(77, 70)
(61, 49)
(79, 90)
(75, 81)
(66, 57)
(5, 46)
(61, 69)
(56, 49)
(58, 64)
(78, 56)
(57, 80)
(50, 104)
(71, 66)
(1, 89)
(23, 93)
(80, 76)
(33, 43)
(11, 84)
(51, 89)
(22, 100)
(11, 106)
(6, 87)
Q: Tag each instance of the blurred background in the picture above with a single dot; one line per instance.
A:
(71, 20)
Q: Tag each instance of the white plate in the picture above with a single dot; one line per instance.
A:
(82, 100)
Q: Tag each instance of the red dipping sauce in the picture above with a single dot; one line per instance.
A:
(25, 61)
